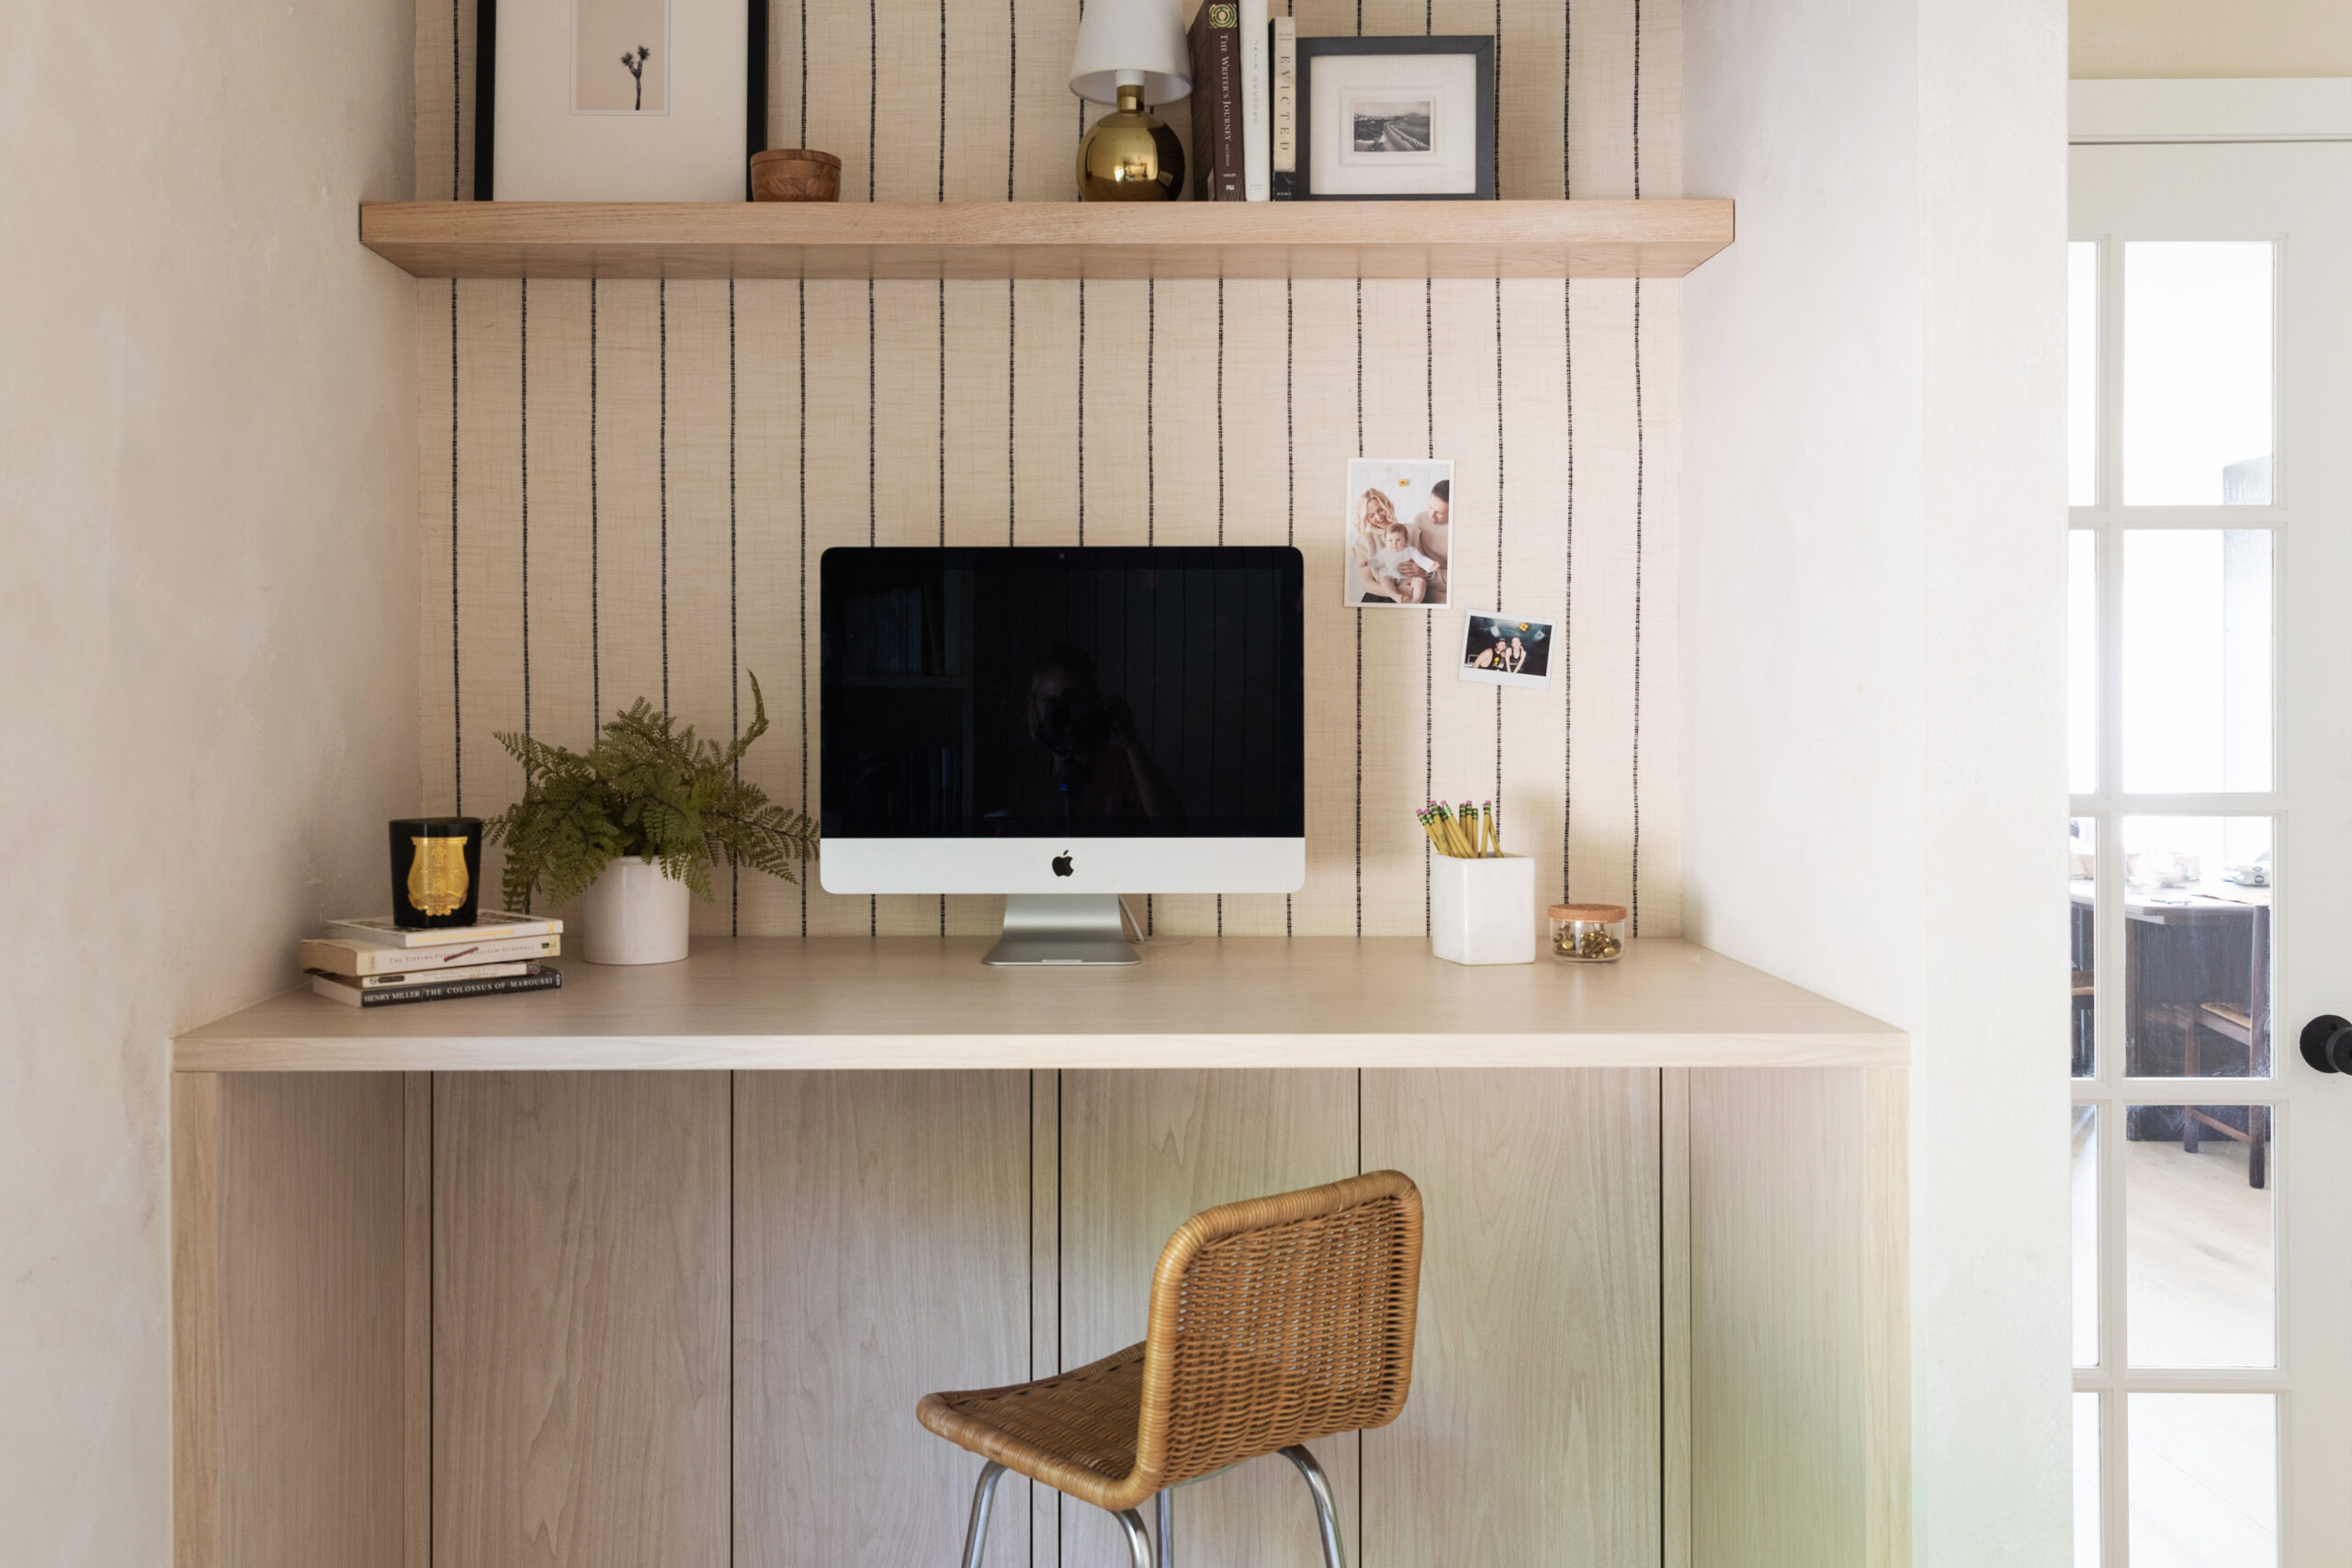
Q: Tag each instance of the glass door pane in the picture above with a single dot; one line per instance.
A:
(2201, 1279)
(2204, 1476)
(2196, 659)
(2196, 946)
(2197, 373)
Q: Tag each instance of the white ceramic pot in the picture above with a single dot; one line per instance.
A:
(633, 914)
(1482, 911)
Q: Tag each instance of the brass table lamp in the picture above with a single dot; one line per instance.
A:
(1131, 53)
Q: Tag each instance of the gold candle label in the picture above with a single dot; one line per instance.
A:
(436, 876)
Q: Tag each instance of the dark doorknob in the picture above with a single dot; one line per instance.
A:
(2327, 1043)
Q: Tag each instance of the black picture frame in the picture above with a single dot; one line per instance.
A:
(1480, 45)
(756, 98)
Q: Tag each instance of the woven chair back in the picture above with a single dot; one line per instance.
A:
(1278, 1321)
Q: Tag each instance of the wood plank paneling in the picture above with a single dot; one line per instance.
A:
(881, 1253)
(416, 1325)
(1533, 1431)
(1799, 1413)
(1141, 1153)
(288, 1250)
(195, 1319)
(581, 1382)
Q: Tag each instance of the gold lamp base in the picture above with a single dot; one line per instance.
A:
(1130, 155)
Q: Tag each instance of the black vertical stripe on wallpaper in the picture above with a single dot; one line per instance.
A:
(1499, 525)
(457, 680)
(595, 585)
(943, 106)
(1359, 606)
(1637, 110)
(1429, 623)
(661, 453)
(523, 360)
(802, 623)
(1567, 90)
(1498, 133)
(457, 103)
(1012, 91)
(1568, 582)
(804, 73)
(873, 91)
(734, 643)
(1639, 466)
(1290, 458)
(1640, 459)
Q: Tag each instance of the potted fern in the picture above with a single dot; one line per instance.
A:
(633, 825)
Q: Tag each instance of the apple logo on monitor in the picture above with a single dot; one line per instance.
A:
(1061, 863)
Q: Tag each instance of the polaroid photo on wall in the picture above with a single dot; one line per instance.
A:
(1399, 533)
(1506, 650)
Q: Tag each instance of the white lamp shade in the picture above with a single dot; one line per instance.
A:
(1137, 38)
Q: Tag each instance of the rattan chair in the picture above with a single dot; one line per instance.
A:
(1275, 1322)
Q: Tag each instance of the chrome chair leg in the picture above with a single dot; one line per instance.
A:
(1138, 1542)
(1165, 1517)
(976, 1538)
(1326, 1517)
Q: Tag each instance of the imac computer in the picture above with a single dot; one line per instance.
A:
(1063, 726)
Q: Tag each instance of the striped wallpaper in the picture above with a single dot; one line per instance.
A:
(625, 485)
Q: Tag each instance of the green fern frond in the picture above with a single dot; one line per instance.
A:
(648, 787)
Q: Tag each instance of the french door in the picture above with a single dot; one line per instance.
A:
(2211, 624)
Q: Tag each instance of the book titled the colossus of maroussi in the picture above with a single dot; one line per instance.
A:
(1215, 36)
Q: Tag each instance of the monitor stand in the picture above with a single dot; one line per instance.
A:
(1062, 928)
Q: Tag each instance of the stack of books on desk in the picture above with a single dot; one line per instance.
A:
(370, 962)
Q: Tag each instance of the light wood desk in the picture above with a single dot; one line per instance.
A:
(652, 1269)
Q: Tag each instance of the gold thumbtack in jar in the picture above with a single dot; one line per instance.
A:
(1588, 933)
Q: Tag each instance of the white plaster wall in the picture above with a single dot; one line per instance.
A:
(1874, 528)
(208, 589)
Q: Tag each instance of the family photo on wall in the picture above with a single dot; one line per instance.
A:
(1399, 533)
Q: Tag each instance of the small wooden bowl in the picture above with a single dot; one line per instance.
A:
(795, 173)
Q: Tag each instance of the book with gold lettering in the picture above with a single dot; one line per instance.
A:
(1217, 163)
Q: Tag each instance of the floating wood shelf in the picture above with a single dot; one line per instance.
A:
(1037, 238)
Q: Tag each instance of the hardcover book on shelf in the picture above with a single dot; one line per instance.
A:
(1282, 130)
(361, 956)
(411, 981)
(493, 926)
(350, 993)
(1256, 151)
(1216, 39)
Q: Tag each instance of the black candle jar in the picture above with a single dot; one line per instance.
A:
(437, 871)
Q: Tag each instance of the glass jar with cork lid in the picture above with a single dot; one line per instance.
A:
(1588, 933)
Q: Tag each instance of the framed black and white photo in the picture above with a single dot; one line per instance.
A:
(619, 100)
(1397, 118)
(1506, 650)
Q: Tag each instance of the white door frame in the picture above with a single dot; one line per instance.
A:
(2146, 112)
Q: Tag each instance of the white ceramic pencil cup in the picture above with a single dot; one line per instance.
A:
(1482, 911)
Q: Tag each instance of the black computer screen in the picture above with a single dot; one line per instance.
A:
(1027, 693)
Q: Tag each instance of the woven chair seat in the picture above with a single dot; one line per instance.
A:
(1275, 1322)
(1075, 1432)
